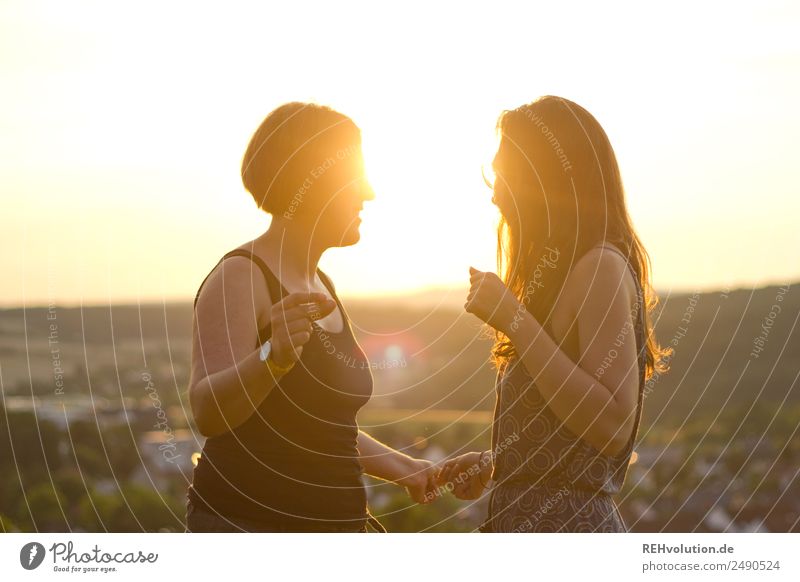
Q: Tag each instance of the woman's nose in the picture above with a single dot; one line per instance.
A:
(367, 193)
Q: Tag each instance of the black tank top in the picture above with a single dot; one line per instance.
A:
(294, 461)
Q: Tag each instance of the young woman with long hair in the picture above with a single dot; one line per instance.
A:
(571, 315)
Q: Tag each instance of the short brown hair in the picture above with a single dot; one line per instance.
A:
(292, 140)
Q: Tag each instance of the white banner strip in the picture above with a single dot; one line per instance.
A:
(327, 557)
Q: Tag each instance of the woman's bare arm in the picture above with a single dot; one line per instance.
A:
(596, 397)
(228, 380)
(384, 462)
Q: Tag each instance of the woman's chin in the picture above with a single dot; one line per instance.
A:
(351, 237)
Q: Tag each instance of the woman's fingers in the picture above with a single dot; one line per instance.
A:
(462, 489)
(295, 299)
(430, 487)
(300, 324)
(440, 473)
(289, 344)
(297, 351)
(321, 309)
(300, 338)
(308, 305)
(448, 466)
(287, 353)
(307, 312)
(443, 472)
(291, 322)
(475, 275)
(461, 483)
(457, 473)
(452, 471)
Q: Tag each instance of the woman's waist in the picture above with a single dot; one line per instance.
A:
(276, 444)
(290, 506)
(555, 480)
(578, 466)
(291, 462)
(284, 485)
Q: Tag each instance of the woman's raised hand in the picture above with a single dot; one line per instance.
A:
(291, 319)
(491, 301)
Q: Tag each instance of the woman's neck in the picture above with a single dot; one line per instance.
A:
(293, 251)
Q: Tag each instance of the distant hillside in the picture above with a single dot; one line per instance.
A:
(426, 355)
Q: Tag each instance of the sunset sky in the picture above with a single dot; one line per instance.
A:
(122, 132)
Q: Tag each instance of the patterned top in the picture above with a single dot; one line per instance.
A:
(532, 446)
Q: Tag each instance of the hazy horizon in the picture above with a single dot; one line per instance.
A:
(453, 297)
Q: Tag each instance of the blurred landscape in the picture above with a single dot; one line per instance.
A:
(98, 436)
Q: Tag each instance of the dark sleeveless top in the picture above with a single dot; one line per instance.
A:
(540, 464)
(294, 462)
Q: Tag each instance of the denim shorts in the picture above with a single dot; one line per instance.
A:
(200, 520)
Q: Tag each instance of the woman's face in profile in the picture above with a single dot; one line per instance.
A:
(517, 190)
(502, 187)
(347, 190)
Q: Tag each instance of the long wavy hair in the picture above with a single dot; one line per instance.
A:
(559, 191)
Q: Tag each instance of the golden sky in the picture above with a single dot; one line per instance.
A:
(122, 131)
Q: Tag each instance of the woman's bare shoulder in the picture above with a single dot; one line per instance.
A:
(234, 282)
(600, 271)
